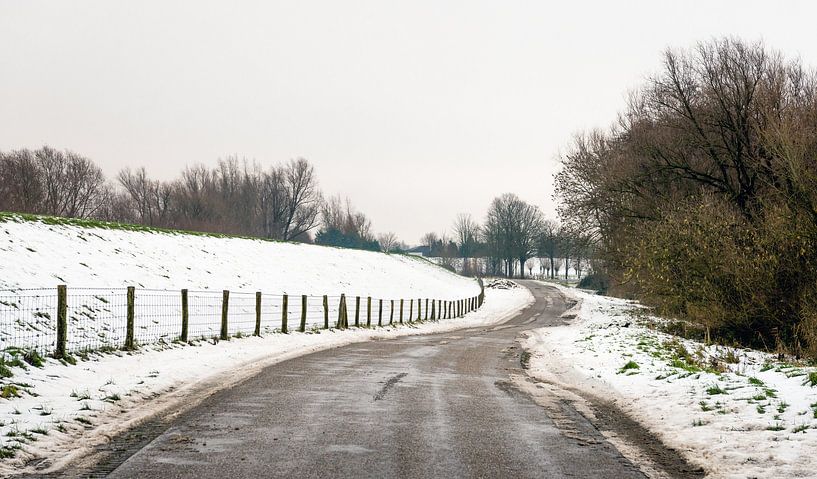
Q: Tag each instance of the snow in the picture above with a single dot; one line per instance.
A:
(153, 379)
(35, 254)
(754, 419)
(96, 263)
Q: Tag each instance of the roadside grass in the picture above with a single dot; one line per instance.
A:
(715, 389)
(629, 366)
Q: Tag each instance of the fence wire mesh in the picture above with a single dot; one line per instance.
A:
(96, 319)
(28, 318)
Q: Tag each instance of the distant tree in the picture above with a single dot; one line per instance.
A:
(303, 199)
(547, 246)
(511, 231)
(343, 226)
(429, 240)
(388, 242)
(467, 232)
(50, 181)
(21, 187)
(150, 198)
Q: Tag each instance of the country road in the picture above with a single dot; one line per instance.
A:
(419, 406)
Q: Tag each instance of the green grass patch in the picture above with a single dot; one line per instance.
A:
(629, 366)
(756, 382)
(9, 450)
(715, 389)
(9, 391)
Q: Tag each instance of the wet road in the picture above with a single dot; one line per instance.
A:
(421, 406)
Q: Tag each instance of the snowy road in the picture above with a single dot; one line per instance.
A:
(418, 406)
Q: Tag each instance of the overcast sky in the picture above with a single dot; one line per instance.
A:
(415, 110)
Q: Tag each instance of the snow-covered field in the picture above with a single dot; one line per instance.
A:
(735, 412)
(73, 408)
(97, 263)
(35, 254)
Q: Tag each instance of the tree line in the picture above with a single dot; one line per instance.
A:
(281, 202)
(702, 199)
(512, 233)
(239, 197)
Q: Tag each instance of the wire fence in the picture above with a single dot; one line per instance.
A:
(60, 321)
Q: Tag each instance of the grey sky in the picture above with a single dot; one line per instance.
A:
(415, 110)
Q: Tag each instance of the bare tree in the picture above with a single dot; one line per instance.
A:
(429, 240)
(512, 229)
(388, 242)
(21, 188)
(150, 198)
(303, 199)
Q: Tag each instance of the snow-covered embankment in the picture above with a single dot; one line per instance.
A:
(734, 412)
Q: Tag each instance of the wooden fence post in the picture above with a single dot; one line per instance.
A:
(62, 321)
(401, 311)
(411, 310)
(391, 311)
(284, 313)
(345, 312)
(419, 309)
(303, 313)
(426, 308)
(325, 312)
(433, 309)
(257, 331)
(369, 312)
(130, 341)
(342, 312)
(225, 307)
(357, 311)
(380, 314)
(185, 317)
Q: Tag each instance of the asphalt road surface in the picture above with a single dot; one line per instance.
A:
(421, 406)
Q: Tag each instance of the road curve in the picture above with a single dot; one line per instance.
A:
(420, 406)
